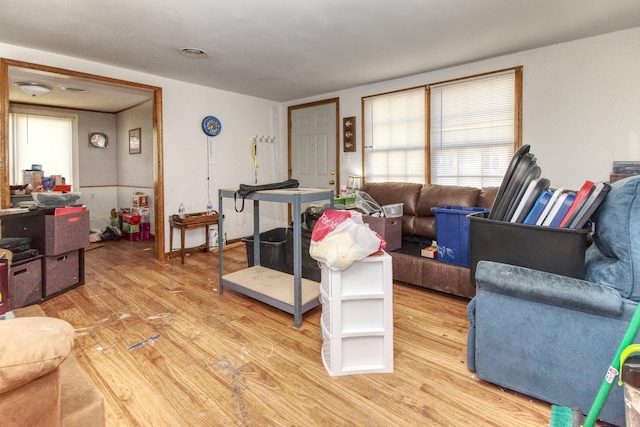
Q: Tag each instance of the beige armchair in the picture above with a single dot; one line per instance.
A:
(41, 383)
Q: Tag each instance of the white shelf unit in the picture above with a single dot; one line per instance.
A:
(289, 293)
(357, 317)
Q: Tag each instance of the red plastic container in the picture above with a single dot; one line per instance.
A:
(131, 219)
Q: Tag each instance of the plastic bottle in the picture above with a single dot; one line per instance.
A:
(181, 211)
(210, 208)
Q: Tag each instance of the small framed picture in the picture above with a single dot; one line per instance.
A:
(135, 142)
(349, 134)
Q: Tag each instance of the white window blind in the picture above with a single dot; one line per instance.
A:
(42, 140)
(394, 137)
(472, 129)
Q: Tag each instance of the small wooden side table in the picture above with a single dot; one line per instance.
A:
(193, 220)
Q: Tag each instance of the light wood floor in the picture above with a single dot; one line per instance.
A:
(227, 360)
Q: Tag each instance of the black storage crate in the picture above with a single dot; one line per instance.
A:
(310, 267)
(272, 249)
(551, 249)
(276, 252)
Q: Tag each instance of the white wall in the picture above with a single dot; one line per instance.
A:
(581, 104)
(185, 149)
(580, 109)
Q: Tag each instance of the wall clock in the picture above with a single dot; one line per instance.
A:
(98, 140)
(211, 125)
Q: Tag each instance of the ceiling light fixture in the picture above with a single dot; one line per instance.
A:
(192, 52)
(33, 88)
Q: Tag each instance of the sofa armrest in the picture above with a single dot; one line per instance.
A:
(548, 288)
(30, 348)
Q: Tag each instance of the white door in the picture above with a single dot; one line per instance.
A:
(314, 146)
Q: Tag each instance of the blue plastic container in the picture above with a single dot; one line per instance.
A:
(452, 233)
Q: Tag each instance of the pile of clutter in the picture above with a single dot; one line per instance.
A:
(131, 224)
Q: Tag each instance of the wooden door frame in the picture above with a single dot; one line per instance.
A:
(314, 104)
(5, 199)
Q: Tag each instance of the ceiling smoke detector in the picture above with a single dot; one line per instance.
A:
(192, 52)
(74, 89)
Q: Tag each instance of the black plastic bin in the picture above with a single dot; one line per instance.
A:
(272, 249)
(551, 249)
(310, 267)
(276, 252)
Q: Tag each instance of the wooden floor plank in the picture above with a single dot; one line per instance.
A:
(227, 360)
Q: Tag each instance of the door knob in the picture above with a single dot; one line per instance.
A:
(332, 182)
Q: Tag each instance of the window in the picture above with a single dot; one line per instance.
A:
(472, 129)
(394, 137)
(466, 134)
(43, 140)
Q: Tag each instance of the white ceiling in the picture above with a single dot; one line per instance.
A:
(286, 50)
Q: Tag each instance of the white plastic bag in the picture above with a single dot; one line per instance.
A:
(339, 238)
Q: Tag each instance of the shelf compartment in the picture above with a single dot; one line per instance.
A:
(365, 278)
(356, 316)
(62, 272)
(25, 282)
(272, 287)
(358, 355)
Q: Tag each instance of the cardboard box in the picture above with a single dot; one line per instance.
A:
(25, 282)
(429, 252)
(61, 272)
(66, 233)
(130, 228)
(140, 200)
(145, 231)
(132, 237)
(389, 228)
(132, 219)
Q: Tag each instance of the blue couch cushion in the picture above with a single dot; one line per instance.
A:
(614, 259)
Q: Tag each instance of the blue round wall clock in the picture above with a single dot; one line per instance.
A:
(211, 125)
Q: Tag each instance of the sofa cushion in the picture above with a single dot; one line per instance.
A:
(30, 348)
(487, 196)
(614, 260)
(433, 196)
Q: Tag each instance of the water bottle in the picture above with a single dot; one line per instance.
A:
(181, 211)
(210, 208)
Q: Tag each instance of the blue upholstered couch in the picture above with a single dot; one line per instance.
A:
(553, 337)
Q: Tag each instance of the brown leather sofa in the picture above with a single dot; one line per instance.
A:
(419, 228)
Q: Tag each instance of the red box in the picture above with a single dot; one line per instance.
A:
(65, 188)
(133, 237)
(145, 231)
(132, 219)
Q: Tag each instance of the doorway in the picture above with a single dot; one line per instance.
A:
(7, 65)
(313, 144)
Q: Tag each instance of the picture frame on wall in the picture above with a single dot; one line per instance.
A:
(135, 141)
(349, 134)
